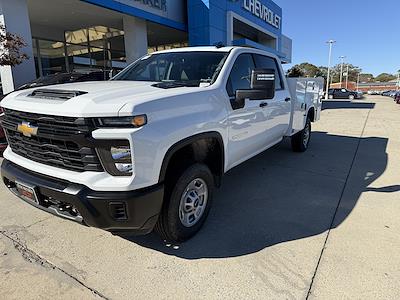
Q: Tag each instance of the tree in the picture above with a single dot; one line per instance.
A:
(366, 77)
(385, 77)
(308, 70)
(295, 71)
(353, 72)
(10, 48)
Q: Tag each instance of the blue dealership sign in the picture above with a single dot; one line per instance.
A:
(230, 21)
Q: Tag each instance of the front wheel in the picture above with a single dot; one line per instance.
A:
(301, 139)
(186, 207)
(330, 97)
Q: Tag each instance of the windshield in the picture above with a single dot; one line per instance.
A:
(183, 68)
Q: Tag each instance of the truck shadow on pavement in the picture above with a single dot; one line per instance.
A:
(281, 196)
(335, 104)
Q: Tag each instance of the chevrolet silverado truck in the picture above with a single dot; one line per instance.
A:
(146, 150)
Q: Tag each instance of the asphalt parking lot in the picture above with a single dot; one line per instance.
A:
(324, 224)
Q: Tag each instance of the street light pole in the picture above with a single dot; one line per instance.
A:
(347, 76)
(358, 79)
(341, 70)
(330, 42)
(398, 79)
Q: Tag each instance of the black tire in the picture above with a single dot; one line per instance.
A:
(169, 225)
(351, 97)
(299, 142)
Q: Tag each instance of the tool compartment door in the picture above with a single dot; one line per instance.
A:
(306, 93)
(297, 87)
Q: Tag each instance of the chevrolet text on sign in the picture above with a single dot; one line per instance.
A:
(263, 12)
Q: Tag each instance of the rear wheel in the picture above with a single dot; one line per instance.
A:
(351, 97)
(330, 96)
(187, 205)
(301, 139)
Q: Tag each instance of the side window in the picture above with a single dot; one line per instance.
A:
(265, 62)
(240, 76)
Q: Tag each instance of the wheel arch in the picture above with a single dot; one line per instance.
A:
(202, 139)
(311, 113)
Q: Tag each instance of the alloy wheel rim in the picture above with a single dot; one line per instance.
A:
(306, 136)
(193, 202)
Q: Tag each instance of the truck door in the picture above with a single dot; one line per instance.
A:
(247, 122)
(279, 108)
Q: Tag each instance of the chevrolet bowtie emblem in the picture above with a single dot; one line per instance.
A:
(27, 129)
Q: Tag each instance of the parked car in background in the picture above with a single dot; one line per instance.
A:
(397, 97)
(342, 94)
(360, 94)
(392, 94)
(386, 93)
(60, 78)
(374, 93)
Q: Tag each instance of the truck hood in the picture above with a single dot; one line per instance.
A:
(98, 98)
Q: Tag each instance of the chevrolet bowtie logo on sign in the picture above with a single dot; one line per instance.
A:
(27, 129)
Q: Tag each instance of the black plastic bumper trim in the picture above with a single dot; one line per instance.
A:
(142, 206)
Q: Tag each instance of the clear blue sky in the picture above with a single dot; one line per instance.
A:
(366, 31)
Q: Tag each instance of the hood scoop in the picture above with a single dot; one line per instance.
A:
(62, 95)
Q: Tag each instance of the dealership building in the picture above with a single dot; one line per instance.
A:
(87, 35)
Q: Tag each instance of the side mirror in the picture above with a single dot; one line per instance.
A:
(262, 86)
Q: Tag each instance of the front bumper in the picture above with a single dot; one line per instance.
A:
(134, 212)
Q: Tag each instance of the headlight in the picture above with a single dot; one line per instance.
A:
(136, 121)
(117, 159)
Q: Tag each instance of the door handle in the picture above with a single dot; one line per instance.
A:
(287, 99)
(263, 104)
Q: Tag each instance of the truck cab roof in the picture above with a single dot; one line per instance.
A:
(199, 49)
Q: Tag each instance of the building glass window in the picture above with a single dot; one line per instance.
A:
(52, 57)
(95, 48)
(78, 57)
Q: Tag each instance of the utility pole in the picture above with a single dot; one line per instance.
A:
(347, 76)
(358, 79)
(341, 70)
(330, 42)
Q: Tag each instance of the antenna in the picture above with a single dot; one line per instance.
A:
(219, 45)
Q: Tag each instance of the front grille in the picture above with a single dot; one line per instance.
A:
(60, 141)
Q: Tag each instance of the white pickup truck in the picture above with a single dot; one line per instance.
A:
(146, 149)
